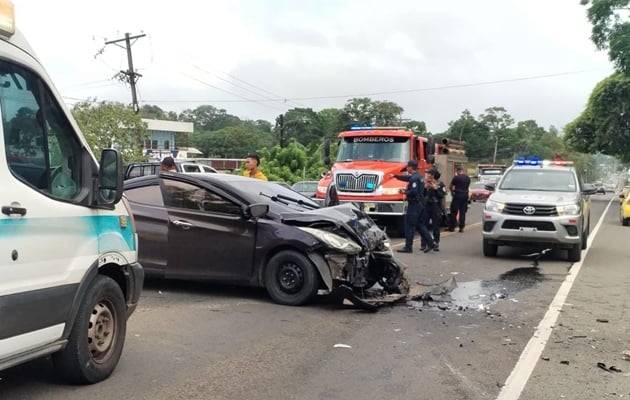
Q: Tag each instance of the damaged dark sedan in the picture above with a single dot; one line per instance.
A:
(232, 229)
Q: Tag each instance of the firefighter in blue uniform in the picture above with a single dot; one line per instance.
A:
(434, 192)
(415, 218)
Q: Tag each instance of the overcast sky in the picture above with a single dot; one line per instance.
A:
(257, 59)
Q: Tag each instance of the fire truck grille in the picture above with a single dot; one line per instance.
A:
(364, 183)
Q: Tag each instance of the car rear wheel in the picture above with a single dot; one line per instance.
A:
(489, 250)
(97, 337)
(575, 252)
(291, 278)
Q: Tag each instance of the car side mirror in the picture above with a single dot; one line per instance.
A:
(589, 188)
(257, 210)
(490, 186)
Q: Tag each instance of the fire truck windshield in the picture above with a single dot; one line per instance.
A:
(377, 148)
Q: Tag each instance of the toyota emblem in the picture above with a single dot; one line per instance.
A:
(529, 210)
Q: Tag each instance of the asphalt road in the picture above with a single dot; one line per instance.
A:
(201, 341)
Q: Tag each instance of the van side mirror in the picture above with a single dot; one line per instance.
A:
(110, 180)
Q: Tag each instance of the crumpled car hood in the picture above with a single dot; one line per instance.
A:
(528, 197)
(345, 216)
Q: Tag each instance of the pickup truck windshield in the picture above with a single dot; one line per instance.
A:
(544, 180)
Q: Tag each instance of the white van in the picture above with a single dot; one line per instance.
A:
(69, 276)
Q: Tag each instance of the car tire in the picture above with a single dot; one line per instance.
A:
(97, 337)
(489, 250)
(291, 278)
(575, 252)
(625, 221)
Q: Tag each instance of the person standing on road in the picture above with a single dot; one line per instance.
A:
(251, 167)
(459, 205)
(168, 165)
(415, 218)
(434, 192)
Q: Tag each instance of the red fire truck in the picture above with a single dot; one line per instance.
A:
(367, 157)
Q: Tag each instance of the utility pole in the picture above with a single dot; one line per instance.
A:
(281, 117)
(130, 75)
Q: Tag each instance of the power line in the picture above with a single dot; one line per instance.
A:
(244, 99)
(277, 97)
(446, 87)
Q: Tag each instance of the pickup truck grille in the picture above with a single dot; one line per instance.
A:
(364, 183)
(526, 209)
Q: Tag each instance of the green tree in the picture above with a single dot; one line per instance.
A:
(604, 126)
(364, 111)
(229, 142)
(208, 118)
(301, 124)
(498, 122)
(110, 124)
(611, 29)
(475, 134)
(331, 121)
(155, 112)
(292, 163)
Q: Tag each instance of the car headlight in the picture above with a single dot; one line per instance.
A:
(322, 189)
(334, 241)
(391, 191)
(494, 206)
(568, 209)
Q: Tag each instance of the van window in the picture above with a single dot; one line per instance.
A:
(41, 147)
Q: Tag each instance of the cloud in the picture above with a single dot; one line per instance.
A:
(249, 56)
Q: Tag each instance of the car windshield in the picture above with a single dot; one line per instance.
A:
(491, 172)
(381, 148)
(279, 198)
(539, 180)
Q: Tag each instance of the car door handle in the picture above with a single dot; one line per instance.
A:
(183, 224)
(10, 210)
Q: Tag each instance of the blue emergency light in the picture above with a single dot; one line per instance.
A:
(522, 161)
(357, 127)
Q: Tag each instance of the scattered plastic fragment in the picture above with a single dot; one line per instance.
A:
(342, 346)
(602, 320)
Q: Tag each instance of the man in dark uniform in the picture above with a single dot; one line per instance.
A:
(434, 192)
(415, 218)
(459, 189)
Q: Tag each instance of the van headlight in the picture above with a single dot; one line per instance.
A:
(568, 209)
(494, 206)
(334, 241)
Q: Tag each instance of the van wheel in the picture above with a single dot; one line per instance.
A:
(575, 252)
(97, 337)
(489, 250)
(291, 278)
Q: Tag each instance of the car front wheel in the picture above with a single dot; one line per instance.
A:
(97, 337)
(291, 278)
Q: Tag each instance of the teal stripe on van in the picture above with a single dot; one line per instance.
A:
(111, 237)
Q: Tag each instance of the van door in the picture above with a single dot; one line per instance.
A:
(46, 239)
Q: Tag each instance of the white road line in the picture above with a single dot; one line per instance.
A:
(517, 380)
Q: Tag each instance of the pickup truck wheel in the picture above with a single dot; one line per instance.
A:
(291, 278)
(586, 234)
(489, 250)
(575, 252)
(97, 337)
